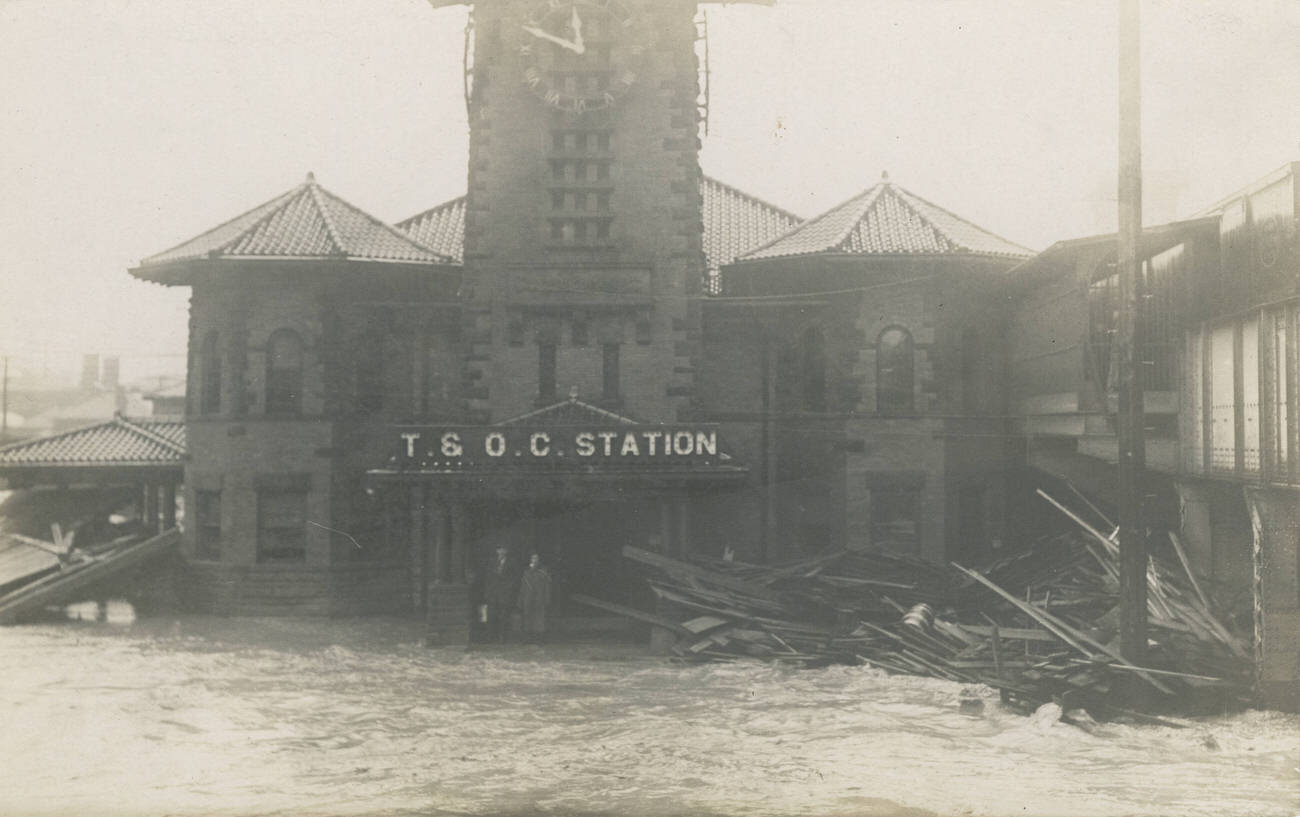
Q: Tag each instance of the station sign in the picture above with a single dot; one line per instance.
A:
(506, 446)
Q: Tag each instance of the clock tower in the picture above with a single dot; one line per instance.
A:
(583, 225)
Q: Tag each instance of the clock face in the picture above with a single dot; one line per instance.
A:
(582, 55)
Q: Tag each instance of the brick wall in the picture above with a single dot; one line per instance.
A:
(830, 462)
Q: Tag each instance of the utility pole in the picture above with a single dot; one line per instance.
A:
(4, 405)
(1132, 437)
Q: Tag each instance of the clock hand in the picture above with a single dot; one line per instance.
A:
(546, 35)
(575, 23)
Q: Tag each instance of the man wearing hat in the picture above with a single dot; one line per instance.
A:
(499, 589)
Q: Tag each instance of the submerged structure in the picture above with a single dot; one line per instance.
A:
(599, 346)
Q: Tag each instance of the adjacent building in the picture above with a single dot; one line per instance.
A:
(1218, 348)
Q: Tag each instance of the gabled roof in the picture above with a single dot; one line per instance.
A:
(571, 412)
(887, 220)
(118, 442)
(734, 221)
(308, 222)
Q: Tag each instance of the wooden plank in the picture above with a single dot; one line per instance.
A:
(1066, 632)
(1187, 567)
(1010, 633)
(56, 588)
(703, 574)
(631, 612)
(1058, 403)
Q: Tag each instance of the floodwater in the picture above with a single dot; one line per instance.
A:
(255, 716)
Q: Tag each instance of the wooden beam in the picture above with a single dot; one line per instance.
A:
(631, 612)
(704, 574)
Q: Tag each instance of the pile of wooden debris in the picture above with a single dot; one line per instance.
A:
(1039, 626)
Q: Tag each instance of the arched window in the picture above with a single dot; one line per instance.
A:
(284, 373)
(813, 369)
(210, 366)
(610, 387)
(546, 370)
(370, 376)
(894, 375)
(971, 360)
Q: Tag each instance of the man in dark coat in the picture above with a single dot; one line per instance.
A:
(499, 592)
(534, 597)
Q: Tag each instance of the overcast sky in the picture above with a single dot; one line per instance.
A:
(132, 125)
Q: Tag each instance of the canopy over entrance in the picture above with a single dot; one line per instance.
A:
(567, 450)
(571, 482)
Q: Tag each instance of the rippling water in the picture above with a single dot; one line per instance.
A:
(230, 716)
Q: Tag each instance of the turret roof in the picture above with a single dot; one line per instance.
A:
(886, 219)
(307, 222)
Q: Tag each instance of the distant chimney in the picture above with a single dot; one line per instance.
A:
(110, 374)
(89, 371)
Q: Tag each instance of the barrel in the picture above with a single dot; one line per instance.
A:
(921, 616)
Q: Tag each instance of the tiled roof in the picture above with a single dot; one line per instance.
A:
(441, 228)
(571, 412)
(118, 442)
(888, 220)
(733, 223)
(308, 222)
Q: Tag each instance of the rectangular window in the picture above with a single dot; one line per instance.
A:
(207, 524)
(1193, 433)
(284, 373)
(1248, 413)
(281, 526)
(1103, 312)
(896, 519)
(546, 371)
(369, 377)
(210, 388)
(609, 371)
(1250, 395)
(1223, 406)
(1281, 380)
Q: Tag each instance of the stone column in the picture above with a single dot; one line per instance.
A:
(682, 508)
(169, 506)
(416, 554)
(667, 533)
(448, 621)
(150, 508)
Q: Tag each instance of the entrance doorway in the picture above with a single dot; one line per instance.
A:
(581, 546)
